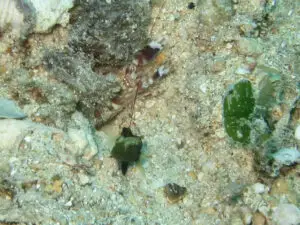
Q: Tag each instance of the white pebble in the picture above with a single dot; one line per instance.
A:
(69, 203)
(297, 133)
(27, 139)
(259, 188)
(287, 156)
(243, 70)
(203, 88)
(155, 45)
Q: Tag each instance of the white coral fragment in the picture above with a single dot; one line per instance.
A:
(287, 156)
(50, 13)
(11, 17)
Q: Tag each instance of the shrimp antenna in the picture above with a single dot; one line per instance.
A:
(132, 106)
(137, 85)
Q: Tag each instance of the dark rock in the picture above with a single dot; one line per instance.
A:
(111, 33)
(93, 91)
(174, 192)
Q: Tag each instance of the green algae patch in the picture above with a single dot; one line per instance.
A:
(238, 107)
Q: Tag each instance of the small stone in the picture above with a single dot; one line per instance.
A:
(116, 106)
(137, 115)
(180, 143)
(276, 113)
(297, 133)
(243, 70)
(2, 69)
(259, 188)
(280, 186)
(69, 203)
(82, 142)
(229, 46)
(193, 175)
(6, 191)
(83, 179)
(57, 137)
(258, 219)
(57, 186)
(174, 192)
(203, 88)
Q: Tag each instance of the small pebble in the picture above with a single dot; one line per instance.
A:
(203, 88)
(297, 133)
(57, 186)
(280, 187)
(258, 219)
(259, 188)
(174, 193)
(69, 203)
(83, 179)
(229, 46)
(243, 70)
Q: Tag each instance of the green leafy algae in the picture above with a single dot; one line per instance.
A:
(238, 107)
